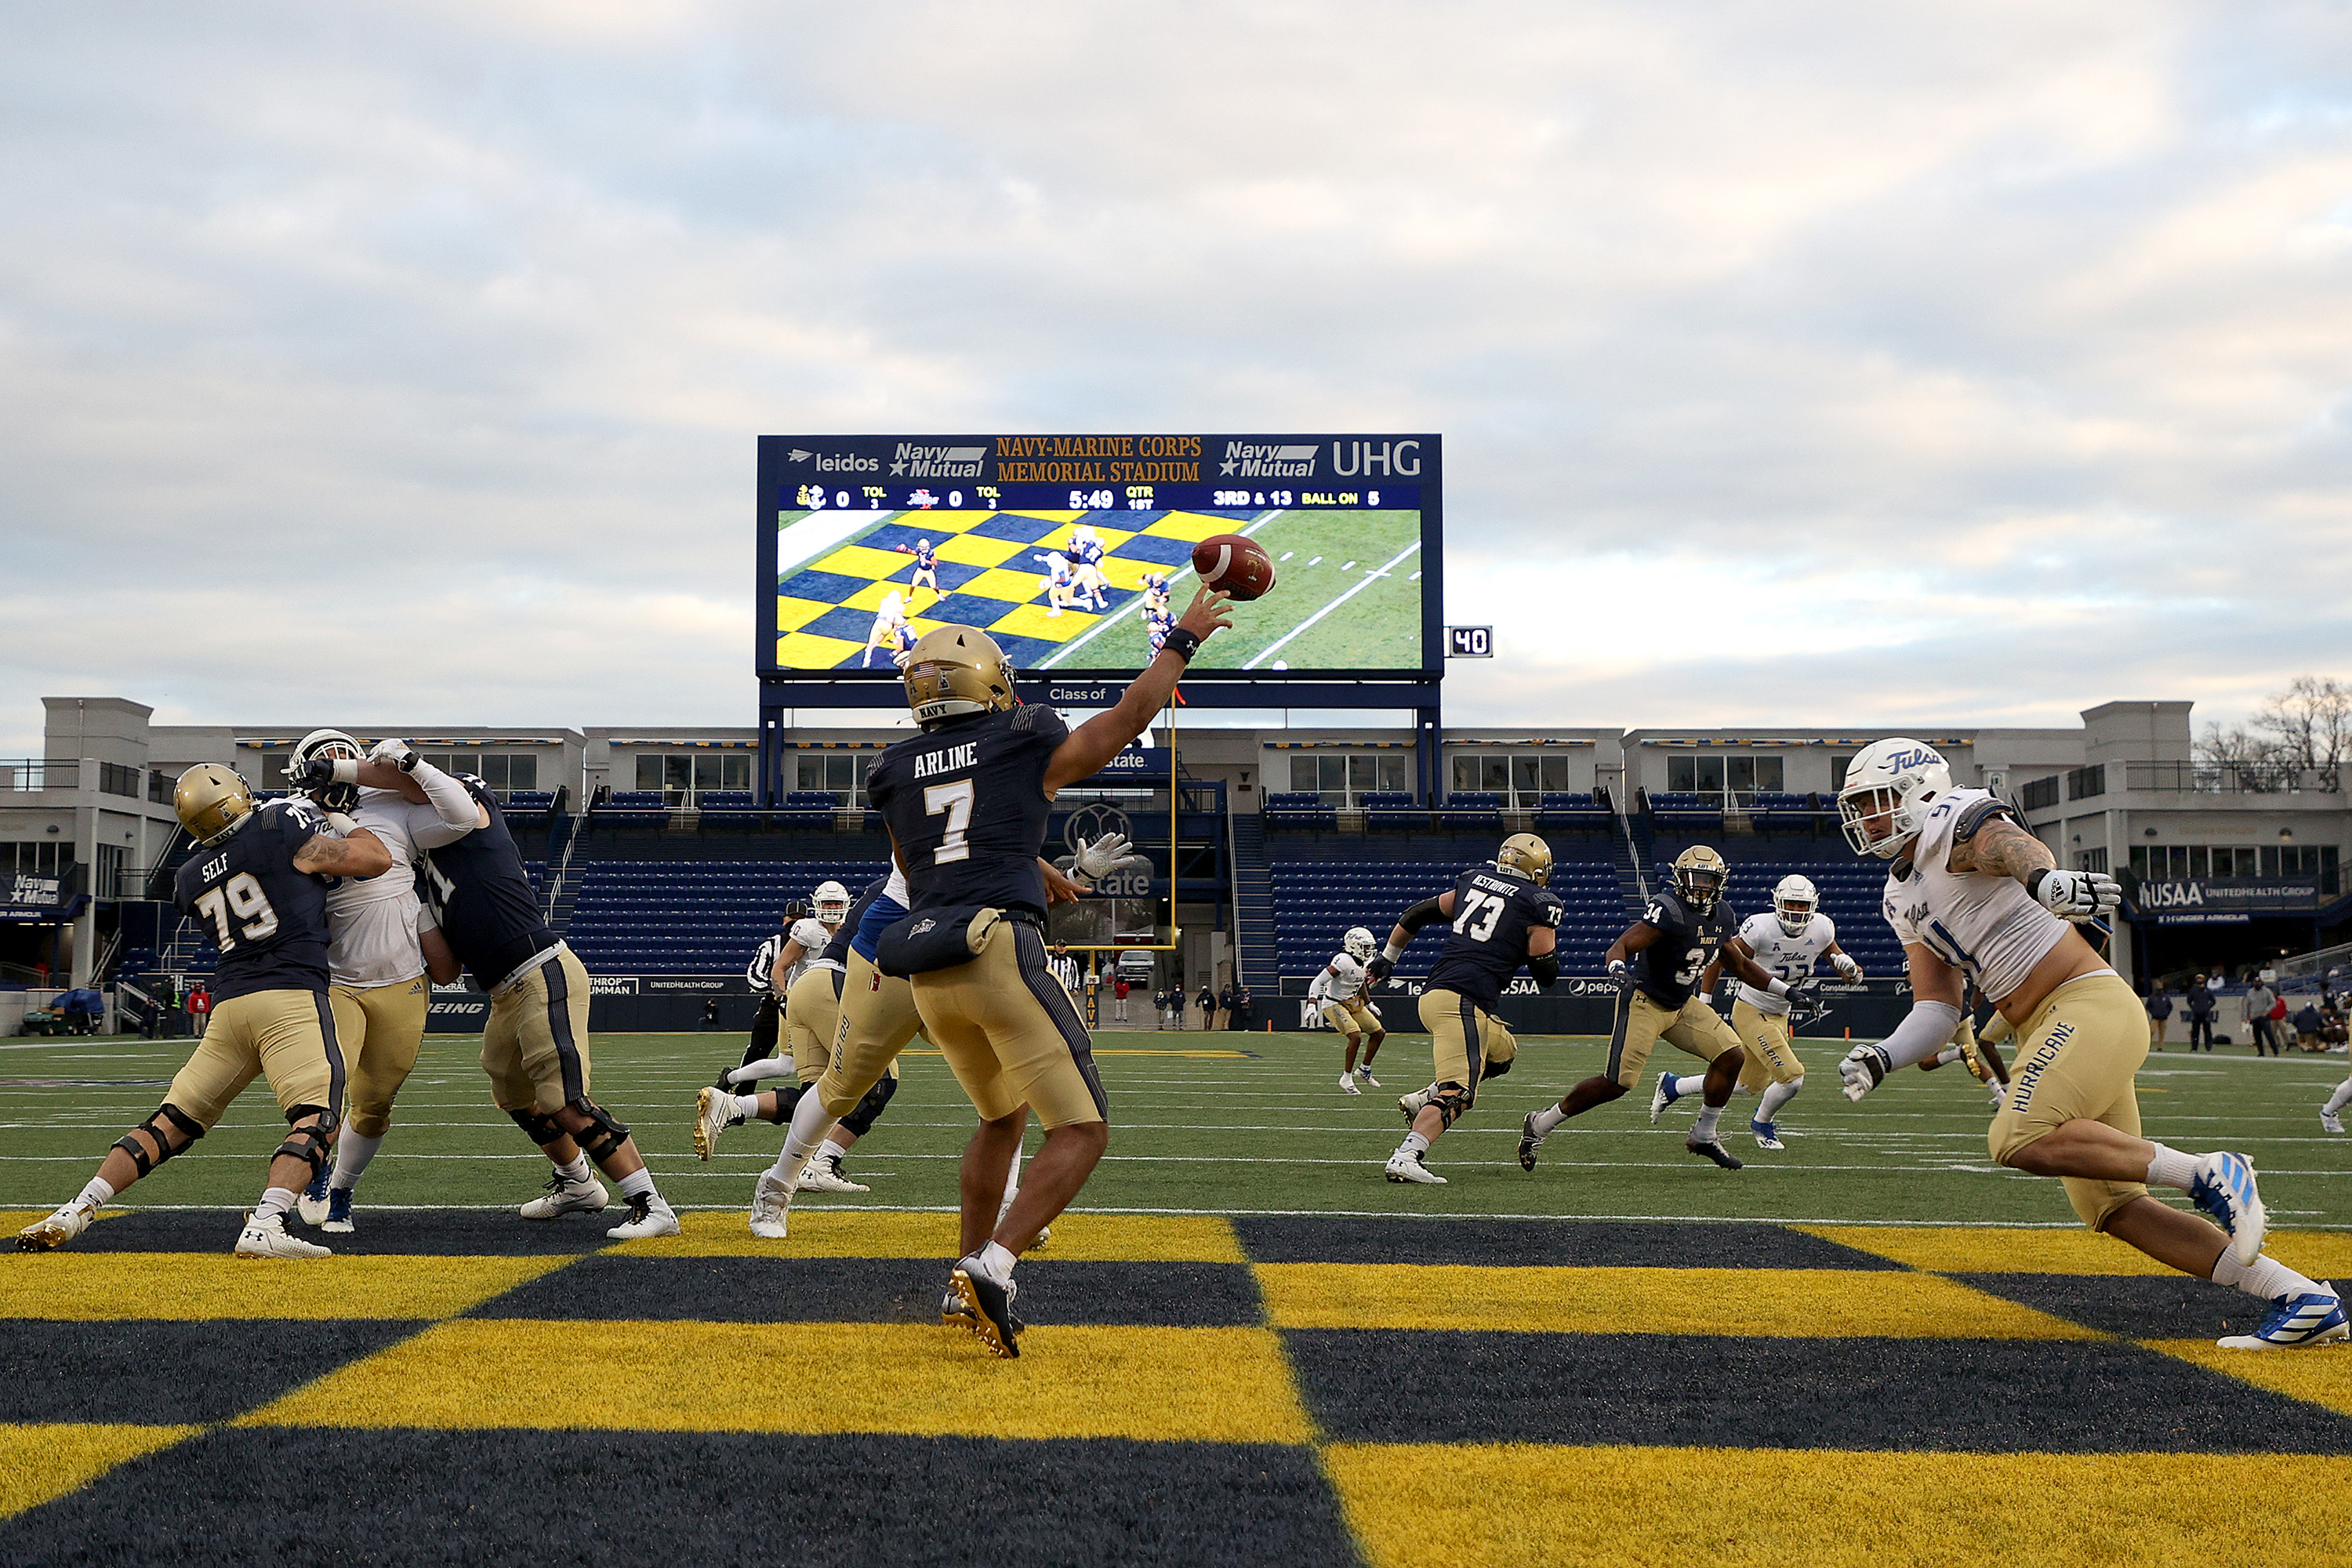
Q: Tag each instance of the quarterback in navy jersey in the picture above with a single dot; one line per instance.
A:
(966, 803)
(257, 887)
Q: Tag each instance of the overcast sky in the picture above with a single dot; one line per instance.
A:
(1796, 361)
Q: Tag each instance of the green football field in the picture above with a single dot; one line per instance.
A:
(1226, 1124)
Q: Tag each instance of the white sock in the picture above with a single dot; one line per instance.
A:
(2341, 1098)
(1011, 1185)
(1703, 1128)
(640, 1182)
(745, 1108)
(2265, 1277)
(1776, 1095)
(1413, 1143)
(2171, 1168)
(352, 1153)
(274, 1200)
(994, 1260)
(98, 1195)
(1691, 1084)
(1549, 1116)
(574, 1170)
(829, 1149)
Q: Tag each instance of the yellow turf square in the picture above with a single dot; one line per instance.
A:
(857, 560)
(869, 598)
(1544, 1506)
(1013, 584)
(1047, 516)
(792, 613)
(808, 650)
(1127, 575)
(1214, 1385)
(41, 1461)
(1962, 1249)
(979, 550)
(1769, 1301)
(1037, 621)
(868, 1233)
(185, 1285)
(1192, 526)
(935, 522)
(2321, 1374)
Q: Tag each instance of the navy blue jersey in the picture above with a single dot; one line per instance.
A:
(927, 559)
(488, 911)
(837, 950)
(269, 919)
(1493, 911)
(1667, 971)
(966, 805)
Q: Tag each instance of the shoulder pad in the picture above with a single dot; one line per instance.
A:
(1976, 815)
(1037, 717)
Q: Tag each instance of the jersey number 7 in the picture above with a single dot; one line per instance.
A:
(955, 799)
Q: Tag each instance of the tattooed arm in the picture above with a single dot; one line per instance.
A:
(2001, 848)
(362, 855)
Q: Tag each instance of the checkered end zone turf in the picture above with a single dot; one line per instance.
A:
(466, 1387)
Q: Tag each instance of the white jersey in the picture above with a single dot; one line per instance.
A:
(1988, 927)
(1343, 980)
(1788, 957)
(815, 936)
(372, 924)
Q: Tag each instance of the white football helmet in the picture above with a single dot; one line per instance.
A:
(326, 743)
(1358, 944)
(1794, 902)
(831, 902)
(1892, 779)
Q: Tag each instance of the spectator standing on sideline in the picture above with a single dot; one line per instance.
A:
(1225, 1006)
(1241, 1019)
(1118, 997)
(200, 1008)
(1207, 1002)
(2201, 1013)
(2260, 1001)
(2159, 1013)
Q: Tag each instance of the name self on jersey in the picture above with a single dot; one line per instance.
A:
(267, 919)
(1493, 912)
(966, 803)
(1667, 971)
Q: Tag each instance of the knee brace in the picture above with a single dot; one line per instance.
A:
(603, 1138)
(861, 1121)
(308, 1144)
(1450, 1099)
(543, 1129)
(786, 1099)
(188, 1128)
(1492, 1068)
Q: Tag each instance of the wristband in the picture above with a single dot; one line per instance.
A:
(1779, 987)
(2034, 883)
(347, 770)
(1085, 884)
(1181, 642)
(1393, 952)
(1707, 998)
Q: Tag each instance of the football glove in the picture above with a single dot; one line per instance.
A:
(397, 753)
(1621, 971)
(1379, 968)
(1093, 862)
(1847, 967)
(2075, 894)
(1863, 1069)
(322, 771)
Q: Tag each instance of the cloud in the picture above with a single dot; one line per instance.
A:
(1971, 361)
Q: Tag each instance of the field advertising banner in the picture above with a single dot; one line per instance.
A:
(1074, 552)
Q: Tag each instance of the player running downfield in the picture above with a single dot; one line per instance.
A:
(1656, 963)
(1975, 896)
(1785, 942)
(1501, 918)
(1341, 994)
(257, 886)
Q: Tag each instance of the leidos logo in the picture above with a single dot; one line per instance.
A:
(838, 462)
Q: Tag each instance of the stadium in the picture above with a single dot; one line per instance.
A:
(936, 1095)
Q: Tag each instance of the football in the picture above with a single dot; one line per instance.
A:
(1238, 565)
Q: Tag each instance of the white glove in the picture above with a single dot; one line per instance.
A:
(1093, 862)
(397, 753)
(1997, 1091)
(2076, 895)
(1845, 965)
(1863, 1068)
(1619, 970)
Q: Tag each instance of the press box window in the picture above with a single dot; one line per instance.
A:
(503, 772)
(1342, 779)
(1744, 776)
(841, 772)
(680, 773)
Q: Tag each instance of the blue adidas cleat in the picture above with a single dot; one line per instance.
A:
(1661, 1097)
(312, 1203)
(2313, 1319)
(2224, 1188)
(339, 1210)
(1768, 1135)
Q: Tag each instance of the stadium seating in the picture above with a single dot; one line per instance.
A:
(527, 807)
(1678, 812)
(1473, 809)
(1314, 902)
(1299, 810)
(1573, 810)
(691, 917)
(632, 808)
(1851, 892)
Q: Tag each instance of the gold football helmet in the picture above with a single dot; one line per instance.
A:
(1700, 876)
(213, 802)
(1529, 855)
(954, 671)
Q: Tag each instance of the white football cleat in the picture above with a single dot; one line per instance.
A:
(1364, 1076)
(1413, 1104)
(714, 1112)
(1348, 1084)
(2329, 1121)
(312, 1205)
(648, 1216)
(826, 1175)
(2224, 1188)
(56, 1230)
(1768, 1135)
(1661, 1097)
(565, 1196)
(771, 1203)
(1404, 1167)
(268, 1238)
(2313, 1319)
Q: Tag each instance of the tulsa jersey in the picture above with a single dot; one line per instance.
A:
(1788, 957)
(1988, 927)
(269, 920)
(1343, 980)
(372, 924)
(1493, 910)
(815, 936)
(1667, 971)
(966, 806)
(483, 899)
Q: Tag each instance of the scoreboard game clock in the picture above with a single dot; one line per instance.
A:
(1074, 552)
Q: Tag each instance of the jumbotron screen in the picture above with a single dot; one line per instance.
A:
(1074, 552)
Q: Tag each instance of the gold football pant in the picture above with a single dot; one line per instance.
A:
(379, 1028)
(286, 1036)
(2075, 1059)
(1011, 1034)
(1351, 1017)
(1464, 1039)
(1771, 1056)
(1640, 1024)
(877, 1020)
(811, 1016)
(535, 1047)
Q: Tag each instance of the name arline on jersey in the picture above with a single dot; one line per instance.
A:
(948, 760)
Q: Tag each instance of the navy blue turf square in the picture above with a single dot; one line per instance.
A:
(1015, 525)
(1153, 547)
(850, 625)
(823, 588)
(968, 610)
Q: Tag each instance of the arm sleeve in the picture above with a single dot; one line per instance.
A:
(1924, 1030)
(1420, 915)
(455, 810)
(1546, 968)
